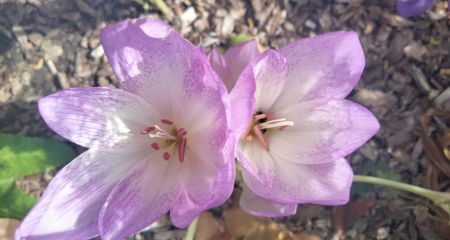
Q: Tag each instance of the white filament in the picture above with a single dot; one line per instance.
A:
(161, 133)
(276, 123)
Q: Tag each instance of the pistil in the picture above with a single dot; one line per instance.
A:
(181, 133)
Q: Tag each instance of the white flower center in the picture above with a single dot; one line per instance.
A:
(168, 140)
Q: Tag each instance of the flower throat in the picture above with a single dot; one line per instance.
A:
(168, 140)
(261, 123)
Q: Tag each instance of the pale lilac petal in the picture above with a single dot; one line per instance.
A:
(70, 205)
(411, 8)
(165, 71)
(143, 196)
(327, 183)
(270, 75)
(237, 58)
(324, 130)
(258, 206)
(151, 27)
(204, 188)
(255, 160)
(219, 65)
(99, 117)
(242, 99)
(327, 66)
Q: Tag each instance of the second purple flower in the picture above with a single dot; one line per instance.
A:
(296, 127)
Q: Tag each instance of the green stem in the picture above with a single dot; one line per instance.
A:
(161, 5)
(190, 235)
(436, 197)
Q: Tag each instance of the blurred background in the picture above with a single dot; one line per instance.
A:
(47, 46)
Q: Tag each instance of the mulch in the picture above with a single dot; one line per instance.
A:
(47, 46)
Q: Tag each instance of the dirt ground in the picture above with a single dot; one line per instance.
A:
(46, 46)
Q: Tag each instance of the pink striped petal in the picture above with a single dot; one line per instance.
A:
(324, 130)
(259, 206)
(99, 117)
(327, 183)
(70, 205)
(327, 66)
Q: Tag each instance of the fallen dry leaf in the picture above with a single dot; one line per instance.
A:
(446, 144)
(343, 217)
(7, 228)
(432, 149)
(304, 236)
(431, 178)
(240, 224)
(209, 227)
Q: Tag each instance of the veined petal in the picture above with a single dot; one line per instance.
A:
(259, 206)
(164, 71)
(324, 130)
(99, 117)
(237, 59)
(242, 100)
(257, 161)
(327, 183)
(205, 187)
(70, 205)
(231, 65)
(219, 65)
(411, 8)
(143, 196)
(270, 76)
(327, 66)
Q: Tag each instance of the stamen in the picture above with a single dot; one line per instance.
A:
(181, 133)
(147, 130)
(260, 116)
(276, 123)
(166, 156)
(260, 136)
(162, 134)
(282, 128)
(155, 146)
(172, 139)
(165, 121)
(181, 149)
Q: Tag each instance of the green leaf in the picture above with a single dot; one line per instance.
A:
(362, 189)
(382, 170)
(21, 156)
(378, 169)
(241, 37)
(13, 202)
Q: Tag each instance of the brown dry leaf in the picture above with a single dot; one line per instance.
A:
(446, 144)
(209, 227)
(241, 224)
(432, 150)
(304, 236)
(343, 217)
(441, 228)
(7, 228)
(431, 178)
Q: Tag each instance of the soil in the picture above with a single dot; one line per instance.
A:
(47, 46)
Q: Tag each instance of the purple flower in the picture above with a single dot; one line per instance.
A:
(300, 127)
(160, 144)
(411, 8)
